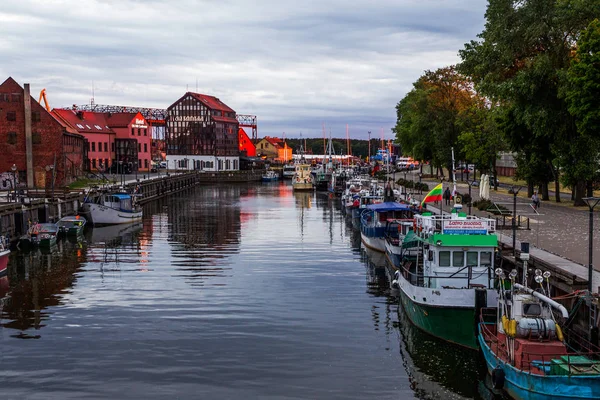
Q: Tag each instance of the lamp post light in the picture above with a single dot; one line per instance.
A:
(14, 181)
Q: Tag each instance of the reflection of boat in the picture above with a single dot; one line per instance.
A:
(43, 235)
(71, 225)
(112, 233)
(270, 176)
(524, 348)
(448, 278)
(4, 254)
(111, 207)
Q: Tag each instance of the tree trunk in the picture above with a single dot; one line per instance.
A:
(529, 189)
(557, 190)
(589, 189)
(579, 191)
(544, 190)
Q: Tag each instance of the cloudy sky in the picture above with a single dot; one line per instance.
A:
(296, 65)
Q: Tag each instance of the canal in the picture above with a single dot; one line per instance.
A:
(228, 292)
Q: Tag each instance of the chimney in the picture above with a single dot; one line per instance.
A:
(28, 136)
(80, 114)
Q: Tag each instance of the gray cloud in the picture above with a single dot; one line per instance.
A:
(296, 65)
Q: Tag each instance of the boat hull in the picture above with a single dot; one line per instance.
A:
(4, 255)
(523, 385)
(102, 215)
(373, 243)
(448, 314)
(302, 186)
(269, 179)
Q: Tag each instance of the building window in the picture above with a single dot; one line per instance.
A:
(36, 138)
(12, 138)
(139, 163)
(11, 116)
(145, 132)
(94, 147)
(145, 147)
(93, 161)
(35, 116)
(139, 147)
(106, 163)
(99, 146)
(146, 163)
(16, 98)
(112, 146)
(139, 132)
(132, 131)
(105, 146)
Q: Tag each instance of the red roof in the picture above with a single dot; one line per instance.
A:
(274, 141)
(85, 121)
(212, 102)
(122, 120)
(225, 119)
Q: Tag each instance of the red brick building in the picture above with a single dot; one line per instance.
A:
(57, 152)
(115, 140)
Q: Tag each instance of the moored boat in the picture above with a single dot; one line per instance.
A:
(302, 179)
(525, 350)
(288, 171)
(376, 221)
(111, 207)
(445, 274)
(4, 254)
(270, 176)
(43, 235)
(71, 225)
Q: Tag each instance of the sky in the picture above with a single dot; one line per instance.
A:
(302, 67)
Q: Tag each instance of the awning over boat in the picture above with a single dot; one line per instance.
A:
(388, 206)
(122, 196)
(410, 240)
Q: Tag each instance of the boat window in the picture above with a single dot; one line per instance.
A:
(458, 258)
(532, 309)
(471, 258)
(444, 258)
(430, 255)
(486, 258)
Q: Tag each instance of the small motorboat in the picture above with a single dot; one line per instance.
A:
(270, 176)
(71, 225)
(43, 235)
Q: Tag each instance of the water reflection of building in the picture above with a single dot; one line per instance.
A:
(37, 282)
(205, 229)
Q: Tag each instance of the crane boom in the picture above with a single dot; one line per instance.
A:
(43, 97)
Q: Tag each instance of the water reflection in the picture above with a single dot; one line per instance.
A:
(36, 280)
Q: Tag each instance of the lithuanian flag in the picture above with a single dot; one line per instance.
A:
(434, 195)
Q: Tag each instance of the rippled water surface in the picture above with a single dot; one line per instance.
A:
(232, 292)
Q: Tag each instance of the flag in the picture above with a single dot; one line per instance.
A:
(434, 195)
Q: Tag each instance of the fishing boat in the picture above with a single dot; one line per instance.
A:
(270, 176)
(302, 179)
(525, 349)
(288, 171)
(445, 274)
(111, 207)
(71, 225)
(43, 235)
(375, 222)
(4, 254)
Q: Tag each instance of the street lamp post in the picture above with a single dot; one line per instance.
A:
(515, 191)
(420, 185)
(591, 202)
(14, 181)
(121, 169)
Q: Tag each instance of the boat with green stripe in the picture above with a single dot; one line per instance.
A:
(445, 274)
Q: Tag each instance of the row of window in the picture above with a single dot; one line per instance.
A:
(10, 97)
(457, 258)
(139, 131)
(198, 164)
(36, 138)
(112, 146)
(103, 163)
(12, 116)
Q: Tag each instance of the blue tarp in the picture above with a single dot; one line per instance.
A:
(388, 206)
(122, 196)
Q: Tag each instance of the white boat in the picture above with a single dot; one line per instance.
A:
(270, 176)
(303, 179)
(288, 171)
(109, 208)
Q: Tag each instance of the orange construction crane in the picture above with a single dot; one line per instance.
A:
(43, 96)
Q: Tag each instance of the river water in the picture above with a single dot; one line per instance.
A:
(223, 292)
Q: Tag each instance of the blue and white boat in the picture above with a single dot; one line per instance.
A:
(377, 219)
(525, 350)
(270, 176)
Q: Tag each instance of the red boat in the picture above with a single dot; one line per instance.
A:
(4, 253)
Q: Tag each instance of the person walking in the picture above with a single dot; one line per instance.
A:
(447, 196)
(535, 201)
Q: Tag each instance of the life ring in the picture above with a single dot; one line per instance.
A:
(498, 378)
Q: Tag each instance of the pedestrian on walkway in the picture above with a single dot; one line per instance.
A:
(535, 200)
(447, 196)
